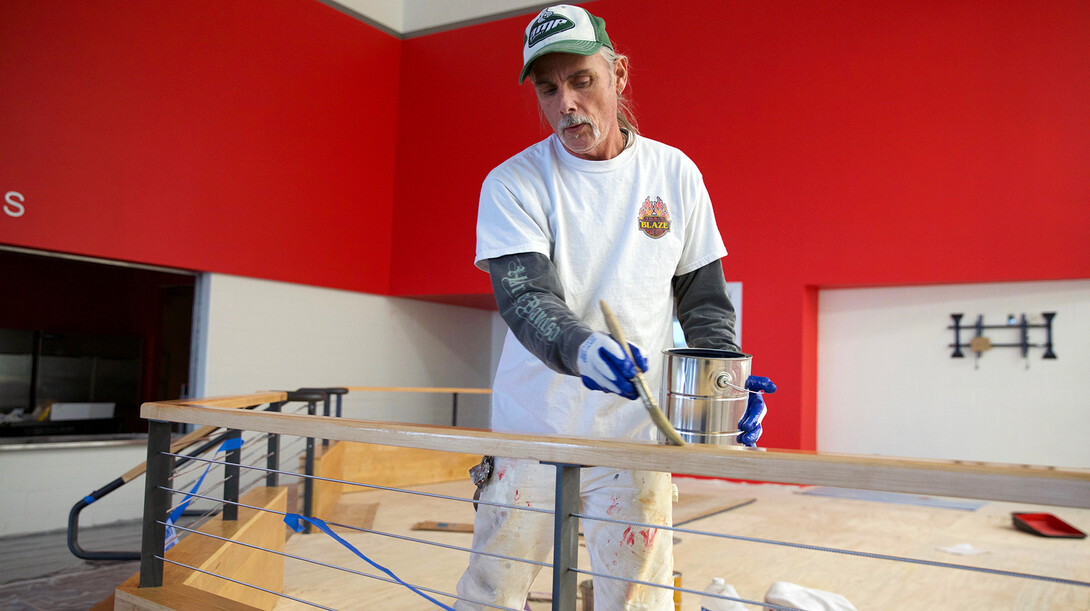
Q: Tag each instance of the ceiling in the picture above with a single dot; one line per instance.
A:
(408, 18)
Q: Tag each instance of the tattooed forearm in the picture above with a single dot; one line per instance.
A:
(530, 309)
(531, 301)
(515, 280)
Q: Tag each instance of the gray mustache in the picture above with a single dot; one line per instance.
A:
(573, 120)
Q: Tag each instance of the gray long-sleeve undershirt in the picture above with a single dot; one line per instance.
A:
(704, 309)
(531, 302)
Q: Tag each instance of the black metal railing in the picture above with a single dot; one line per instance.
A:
(208, 442)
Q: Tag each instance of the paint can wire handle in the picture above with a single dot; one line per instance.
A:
(724, 380)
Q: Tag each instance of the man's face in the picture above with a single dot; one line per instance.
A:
(578, 96)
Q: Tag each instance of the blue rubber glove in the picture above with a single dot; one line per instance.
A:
(750, 424)
(604, 366)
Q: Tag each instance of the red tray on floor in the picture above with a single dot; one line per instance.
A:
(1046, 525)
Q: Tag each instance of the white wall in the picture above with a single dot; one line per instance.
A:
(262, 335)
(267, 335)
(887, 384)
(41, 483)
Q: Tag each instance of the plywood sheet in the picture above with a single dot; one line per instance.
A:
(394, 466)
(260, 529)
(355, 509)
(328, 464)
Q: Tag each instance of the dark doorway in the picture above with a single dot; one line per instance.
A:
(84, 342)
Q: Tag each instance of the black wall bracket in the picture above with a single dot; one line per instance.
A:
(980, 343)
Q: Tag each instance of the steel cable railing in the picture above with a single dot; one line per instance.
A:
(204, 439)
(582, 517)
(390, 489)
(848, 552)
(222, 501)
(566, 514)
(245, 458)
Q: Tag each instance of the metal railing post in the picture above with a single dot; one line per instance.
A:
(272, 461)
(311, 396)
(566, 538)
(308, 481)
(326, 400)
(454, 410)
(160, 465)
(231, 475)
(325, 412)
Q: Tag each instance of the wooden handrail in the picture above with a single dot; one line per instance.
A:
(460, 391)
(234, 401)
(194, 436)
(991, 481)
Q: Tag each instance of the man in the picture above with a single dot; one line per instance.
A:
(594, 212)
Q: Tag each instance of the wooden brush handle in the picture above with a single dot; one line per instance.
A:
(641, 386)
(615, 330)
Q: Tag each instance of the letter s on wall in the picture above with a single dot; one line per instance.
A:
(13, 204)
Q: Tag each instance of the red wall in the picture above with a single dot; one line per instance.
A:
(844, 144)
(242, 137)
(847, 143)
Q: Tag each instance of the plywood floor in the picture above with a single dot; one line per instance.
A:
(779, 513)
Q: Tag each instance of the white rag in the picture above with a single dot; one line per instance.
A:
(793, 595)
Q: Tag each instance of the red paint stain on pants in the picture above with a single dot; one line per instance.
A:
(649, 536)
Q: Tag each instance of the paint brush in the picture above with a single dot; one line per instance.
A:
(641, 385)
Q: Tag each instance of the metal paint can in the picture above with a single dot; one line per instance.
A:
(703, 393)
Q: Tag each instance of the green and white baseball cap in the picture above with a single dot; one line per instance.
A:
(562, 29)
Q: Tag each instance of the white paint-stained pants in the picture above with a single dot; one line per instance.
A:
(632, 552)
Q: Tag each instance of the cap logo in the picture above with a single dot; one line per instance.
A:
(548, 23)
(654, 218)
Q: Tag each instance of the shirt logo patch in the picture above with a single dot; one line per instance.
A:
(654, 218)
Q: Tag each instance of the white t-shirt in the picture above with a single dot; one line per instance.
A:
(617, 230)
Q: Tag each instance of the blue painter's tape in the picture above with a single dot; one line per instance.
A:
(294, 521)
(233, 443)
